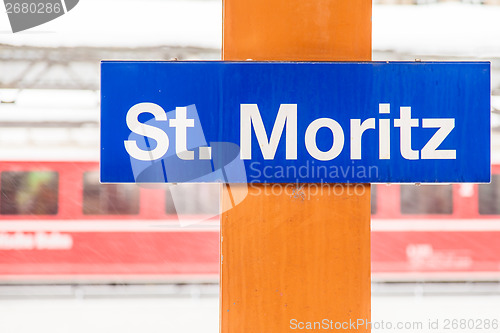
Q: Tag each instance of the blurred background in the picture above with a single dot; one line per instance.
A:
(78, 256)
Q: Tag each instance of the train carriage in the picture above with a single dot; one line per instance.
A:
(58, 223)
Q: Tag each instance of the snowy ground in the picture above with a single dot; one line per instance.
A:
(130, 315)
(147, 312)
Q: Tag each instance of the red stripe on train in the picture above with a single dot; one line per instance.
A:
(122, 253)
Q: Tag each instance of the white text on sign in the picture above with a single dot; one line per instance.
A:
(286, 124)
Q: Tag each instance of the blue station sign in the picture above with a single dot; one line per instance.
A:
(274, 122)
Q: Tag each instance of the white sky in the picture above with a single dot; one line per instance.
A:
(126, 23)
(439, 29)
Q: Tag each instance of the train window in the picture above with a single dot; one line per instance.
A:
(112, 199)
(193, 199)
(29, 192)
(489, 197)
(426, 199)
(374, 199)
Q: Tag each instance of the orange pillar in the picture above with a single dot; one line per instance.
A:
(295, 30)
(289, 260)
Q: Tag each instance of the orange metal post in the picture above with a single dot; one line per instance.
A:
(295, 30)
(292, 259)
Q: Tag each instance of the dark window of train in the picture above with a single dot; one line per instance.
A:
(374, 199)
(29, 192)
(426, 199)
(192, 199)
(489, 197)
(108, 199)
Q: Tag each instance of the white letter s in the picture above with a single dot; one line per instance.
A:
(152, 132)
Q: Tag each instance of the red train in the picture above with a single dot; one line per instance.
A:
(437, 232)
(57, 223)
